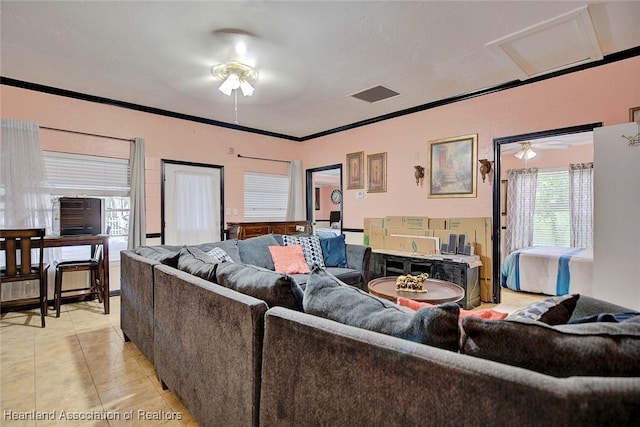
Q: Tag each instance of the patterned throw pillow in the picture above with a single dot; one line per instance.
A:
(219, 255)
(311, 248)
(289, 259)
(552, 311)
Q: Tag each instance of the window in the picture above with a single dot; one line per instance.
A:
(94, 176)
(265, 196)
(551, 220)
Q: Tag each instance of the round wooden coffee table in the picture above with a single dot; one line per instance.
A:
(438, 291)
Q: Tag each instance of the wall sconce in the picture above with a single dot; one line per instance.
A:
(486, 166)
(419, 174)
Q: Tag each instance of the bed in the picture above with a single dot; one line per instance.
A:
(549, 270)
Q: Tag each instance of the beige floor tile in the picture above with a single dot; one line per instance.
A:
(79, 365)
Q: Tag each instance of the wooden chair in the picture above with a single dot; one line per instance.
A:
(96, 278)
(17, 245)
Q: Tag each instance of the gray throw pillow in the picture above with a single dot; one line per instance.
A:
(276, 289)
(255, 251)
(325, 296)
(197, 263)
(587, 349)
(160, 254)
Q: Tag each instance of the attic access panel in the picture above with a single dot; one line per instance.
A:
(564, 41)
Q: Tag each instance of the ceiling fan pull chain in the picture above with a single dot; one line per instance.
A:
(236, 104)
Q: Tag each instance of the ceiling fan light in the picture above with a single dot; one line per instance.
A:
(247, 89)
(229, 84)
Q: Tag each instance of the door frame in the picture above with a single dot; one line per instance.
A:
(496, 234)
(164, 162)
(310, 190)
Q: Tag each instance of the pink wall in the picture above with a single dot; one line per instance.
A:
(602, 94)
(326, 205)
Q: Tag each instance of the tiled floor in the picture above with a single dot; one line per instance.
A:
(81, 365)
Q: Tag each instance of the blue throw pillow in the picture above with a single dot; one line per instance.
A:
(334, 251)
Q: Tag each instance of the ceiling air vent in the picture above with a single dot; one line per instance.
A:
(375, 94)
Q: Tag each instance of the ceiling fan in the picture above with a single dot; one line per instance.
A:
(527, 150)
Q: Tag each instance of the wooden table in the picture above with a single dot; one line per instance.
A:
(86, 240)
(438, 291)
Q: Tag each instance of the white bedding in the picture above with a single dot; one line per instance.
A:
(549, 270)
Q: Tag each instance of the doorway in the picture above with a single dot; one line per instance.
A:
(324, 198)
(192, 203)
(500, 146)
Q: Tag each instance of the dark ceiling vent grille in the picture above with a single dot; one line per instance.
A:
(375, 94)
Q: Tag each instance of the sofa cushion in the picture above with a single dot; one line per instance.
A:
(289, 259)
(160, 254)
(334, 251)
(310, 247)
(276, 289)
(552, 311)
(255, 251)
(198, 263)
(587, 349)
(325, 296)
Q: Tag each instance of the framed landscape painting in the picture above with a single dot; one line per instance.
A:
(453, 167)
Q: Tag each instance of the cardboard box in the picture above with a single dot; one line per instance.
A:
(416, 222)
(411, 244)
(393, 222)
(437, 224)
(486, 290)
(369, 225)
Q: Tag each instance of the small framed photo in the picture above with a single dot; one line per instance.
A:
(355, 170)
(634, 114)
(377, 173)
(453, 167)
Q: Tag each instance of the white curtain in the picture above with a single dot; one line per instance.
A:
(295, 205)
(196, 209)
(521, 204)
(581, 204)
(23, 183)
(137, 222)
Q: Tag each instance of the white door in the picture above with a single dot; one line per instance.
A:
(192, 203)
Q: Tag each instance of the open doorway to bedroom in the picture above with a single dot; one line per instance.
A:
(324, 198)
(533, 184)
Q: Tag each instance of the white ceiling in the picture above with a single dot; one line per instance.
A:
(311, 55)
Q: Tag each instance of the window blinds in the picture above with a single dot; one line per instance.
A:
(265, 196)
(552, 223)
(74, 174)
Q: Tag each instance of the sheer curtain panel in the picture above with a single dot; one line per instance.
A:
(196, 209)
(24, 196)
(137, 222)
(295, 205)
(581, 204)
(521, 203)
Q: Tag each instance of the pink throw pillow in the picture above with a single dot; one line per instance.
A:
(486, 313)
(289, 259)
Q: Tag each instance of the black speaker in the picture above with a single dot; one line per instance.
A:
(444, 248)
(461, 243)
(453, 241)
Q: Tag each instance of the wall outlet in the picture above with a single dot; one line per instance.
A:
(360, 195)
(299, 227)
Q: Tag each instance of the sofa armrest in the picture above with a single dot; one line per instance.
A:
(358, 257)
(589, 306)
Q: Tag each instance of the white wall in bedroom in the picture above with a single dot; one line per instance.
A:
(616, 255)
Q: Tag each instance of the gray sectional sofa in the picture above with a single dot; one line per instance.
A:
(236, 360)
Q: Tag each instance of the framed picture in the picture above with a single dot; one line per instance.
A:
(355, 170)
(634, 114)
(453, 164)
(377, 173)
(317, 198)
